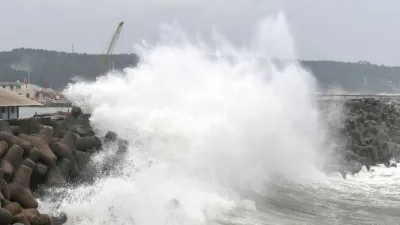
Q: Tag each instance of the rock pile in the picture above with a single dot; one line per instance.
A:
(38, 152)
(372, 133)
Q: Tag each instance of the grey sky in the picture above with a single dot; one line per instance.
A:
(346, 30)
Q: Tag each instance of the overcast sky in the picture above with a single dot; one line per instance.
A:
(345, 30)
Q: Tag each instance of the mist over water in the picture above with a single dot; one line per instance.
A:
(210, 126)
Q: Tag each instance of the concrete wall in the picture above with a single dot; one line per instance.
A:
(9, 112)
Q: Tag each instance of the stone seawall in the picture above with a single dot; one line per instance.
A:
(41, 152)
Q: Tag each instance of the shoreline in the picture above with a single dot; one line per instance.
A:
(53, 150)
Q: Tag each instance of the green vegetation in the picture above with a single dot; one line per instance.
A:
(56, 68)
(355, 77)
(59, 68)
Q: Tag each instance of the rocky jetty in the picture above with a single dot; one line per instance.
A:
(371, 132)
(41, 152)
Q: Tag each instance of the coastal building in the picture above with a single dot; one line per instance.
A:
(10, 103)
(31, 91)
(46, 96)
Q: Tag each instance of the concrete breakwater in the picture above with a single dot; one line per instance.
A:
(48, 152)
(42, 152)
(370, 134)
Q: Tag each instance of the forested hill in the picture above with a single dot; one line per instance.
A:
(58, 68)
(355, 77)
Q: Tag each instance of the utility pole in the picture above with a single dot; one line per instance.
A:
(29, 69)
(72, 48)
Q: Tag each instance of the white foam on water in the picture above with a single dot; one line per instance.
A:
(210, 123)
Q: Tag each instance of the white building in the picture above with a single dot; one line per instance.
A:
(31, 91)
(10, 102)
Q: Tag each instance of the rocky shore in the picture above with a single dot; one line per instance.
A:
(371, 134)
(54, 151)
(42, 152)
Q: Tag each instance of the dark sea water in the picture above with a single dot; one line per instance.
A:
(366, 198)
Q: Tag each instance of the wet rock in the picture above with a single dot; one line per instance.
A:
(31, 211)
(13, 140)
(41, 169)
(62, 151)
(59, 128)
(46, 134)
(45, 121)
(69, 140)
(34, 220)
(82, 158)
(110, 137)
(54, 177)
(84, 120)
(20, 218)
(27, 125)
(88, 144)
(122, 147)
(10, 161)
(63, 133)
(28, 163)
(55, 140)
(32, 154)
(4, 190)
(45, 219)
(42, 151)
(82, 131)
(4, 126)
(14, 208)
(371, 130)
(20, 189)
(76, 111)
(59, 219)
(3, 147)
(38, 176)
(65, 167)
(45, 153)
(5, 217)
(16, 130)
(354, 167)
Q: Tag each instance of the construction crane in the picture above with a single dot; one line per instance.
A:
(110, 48)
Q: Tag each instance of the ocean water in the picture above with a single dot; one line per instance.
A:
(231, 139)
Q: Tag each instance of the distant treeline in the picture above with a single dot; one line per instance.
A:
(57, 69)
(355, 77)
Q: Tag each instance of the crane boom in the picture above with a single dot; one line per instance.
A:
(114, 39)
(111, 46)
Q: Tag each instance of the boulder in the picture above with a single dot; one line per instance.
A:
(20, 189)
(62, 151)
(5, 217)
(76, 111)
(41, 144)
(3, 147)
(27, 125)
(88, 144)
(13, 140)
(10, 161)
(55, 178)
